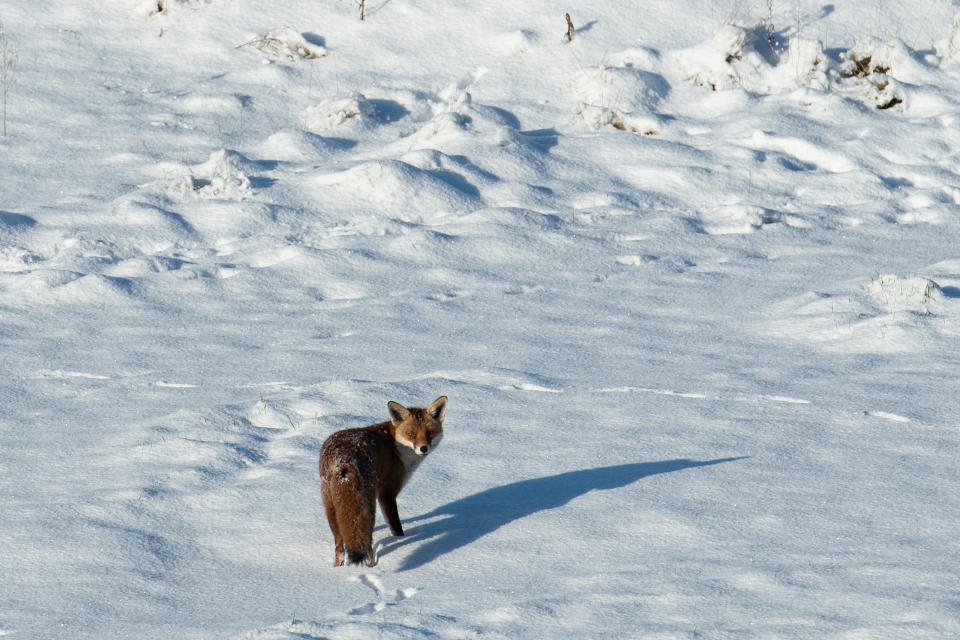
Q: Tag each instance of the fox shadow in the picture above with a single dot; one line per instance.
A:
(468, 519)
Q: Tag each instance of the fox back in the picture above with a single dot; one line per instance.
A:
(361, 467)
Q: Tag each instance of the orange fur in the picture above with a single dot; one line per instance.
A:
(361, 467)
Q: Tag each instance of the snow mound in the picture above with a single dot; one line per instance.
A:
(222, 177)
(291, 145)
(514, 42)
(866, 73)
(621, 94)
(453, 118)
(17, 259)
(337, 112)
(357, 113)
(734, 218)
(60, 286)
(758, 59)
(893, 293)
(411, 193)
(271, 415)
(753, 58)
(890, 314)
(949, 47)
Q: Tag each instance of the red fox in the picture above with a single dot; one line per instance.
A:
(360, 467)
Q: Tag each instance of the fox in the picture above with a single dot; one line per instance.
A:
(364, 466)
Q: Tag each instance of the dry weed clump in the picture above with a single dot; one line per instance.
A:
(863, 68)
(286, 44)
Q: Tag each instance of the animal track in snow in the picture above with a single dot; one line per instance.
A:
(503, 379)
(888, 416)
(781, 399)
(735, 218)
(59, 373)
(803, 151)
(659, 392)
(784, 399)
(395, 597)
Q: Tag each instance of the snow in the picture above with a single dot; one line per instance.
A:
(690, 281)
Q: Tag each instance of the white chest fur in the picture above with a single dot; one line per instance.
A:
(409, 457)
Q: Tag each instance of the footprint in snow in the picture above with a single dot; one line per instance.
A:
(893, 417)
(392, 598)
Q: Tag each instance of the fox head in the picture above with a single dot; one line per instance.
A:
(418, 429)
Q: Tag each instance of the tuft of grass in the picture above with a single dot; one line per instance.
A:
(863, 68)
(278, 48)
(889, 104)
(568, 37)
(859, 69)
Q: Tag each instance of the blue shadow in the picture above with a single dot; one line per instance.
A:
(469, 519)
(16, 219)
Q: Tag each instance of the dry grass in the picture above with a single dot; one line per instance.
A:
(277, 48)
(874, 74)
(570, 30)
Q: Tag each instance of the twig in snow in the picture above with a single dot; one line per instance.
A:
(570, 30)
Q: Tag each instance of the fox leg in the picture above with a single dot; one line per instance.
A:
(388, 507)
(367, 524)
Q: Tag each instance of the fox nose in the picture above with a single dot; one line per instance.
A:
(424, 449)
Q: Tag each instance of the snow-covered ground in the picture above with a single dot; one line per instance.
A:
(691, 282)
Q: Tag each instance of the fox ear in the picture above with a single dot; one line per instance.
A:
(398, 412)
(438, 408)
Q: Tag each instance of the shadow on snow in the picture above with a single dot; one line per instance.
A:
(468, 519)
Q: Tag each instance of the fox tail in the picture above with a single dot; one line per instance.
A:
(354, 497)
